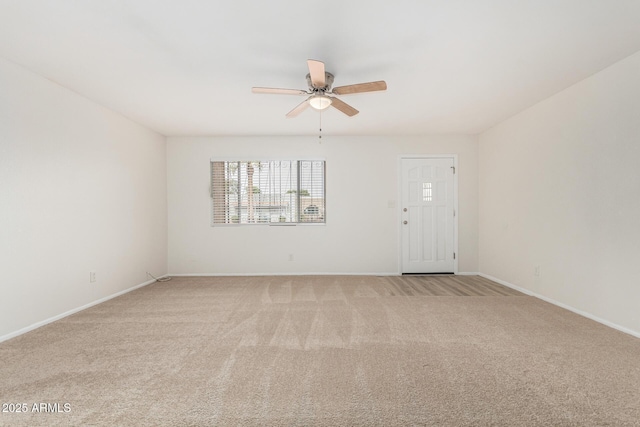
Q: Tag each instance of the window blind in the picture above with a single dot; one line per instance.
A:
(265, 192)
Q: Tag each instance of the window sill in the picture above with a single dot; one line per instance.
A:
(275, 224)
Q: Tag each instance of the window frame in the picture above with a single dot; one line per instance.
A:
(297, 199)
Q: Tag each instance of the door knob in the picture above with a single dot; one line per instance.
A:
(405, 222)
(405, 209)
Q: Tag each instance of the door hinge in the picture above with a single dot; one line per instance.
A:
(454, 169)
(454, 255)
(454, 212)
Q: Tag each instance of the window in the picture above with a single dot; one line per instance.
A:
(265, 192)
(426, 192)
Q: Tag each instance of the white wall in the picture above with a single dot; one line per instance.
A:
(361, 234)
(560, 188)
(81, 189)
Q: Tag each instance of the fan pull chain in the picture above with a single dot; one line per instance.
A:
(320, 133)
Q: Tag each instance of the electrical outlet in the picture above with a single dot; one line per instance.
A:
(92, 277)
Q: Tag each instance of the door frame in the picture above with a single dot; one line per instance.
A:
(455, 203)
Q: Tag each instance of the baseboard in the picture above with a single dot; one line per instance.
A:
(464, 273)
(280, 274)
(563, 305)
(73, 311)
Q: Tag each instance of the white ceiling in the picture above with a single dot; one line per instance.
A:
(186, 67)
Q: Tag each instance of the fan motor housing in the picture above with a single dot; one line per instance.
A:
(328, 79)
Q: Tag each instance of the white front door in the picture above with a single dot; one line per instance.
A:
(427, 215)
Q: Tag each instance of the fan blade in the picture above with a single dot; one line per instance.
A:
(361, 87)
(278, 91)
(299, 109)
(316, 70)
(344, 107)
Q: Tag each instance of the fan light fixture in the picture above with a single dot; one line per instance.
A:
(320, 102)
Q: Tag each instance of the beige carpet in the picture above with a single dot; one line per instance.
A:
(330, 351)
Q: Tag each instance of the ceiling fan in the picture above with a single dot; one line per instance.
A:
(320, 95)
